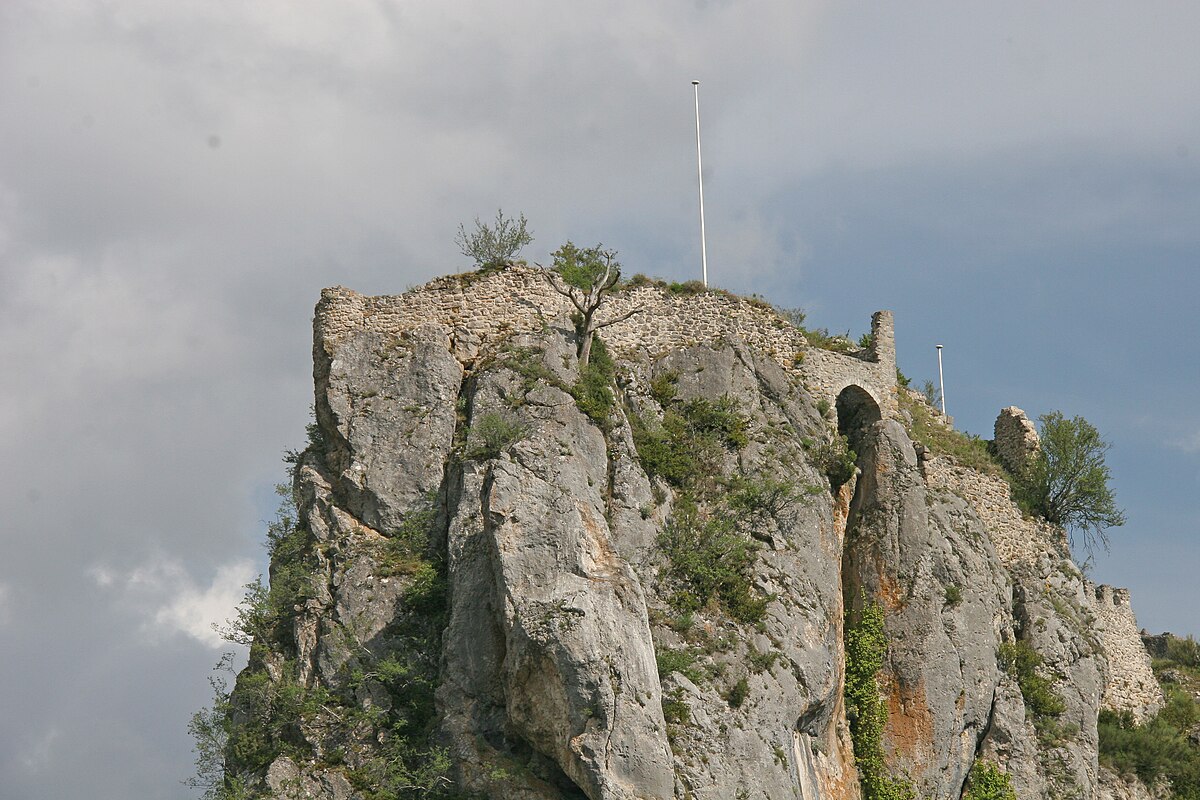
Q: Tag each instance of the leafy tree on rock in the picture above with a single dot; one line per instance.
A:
(1066, 481)
(495, 245)
(586, 276)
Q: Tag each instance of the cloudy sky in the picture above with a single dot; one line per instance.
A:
(178, 180)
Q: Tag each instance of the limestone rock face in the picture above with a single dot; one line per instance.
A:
(928, 559)
(485, 594)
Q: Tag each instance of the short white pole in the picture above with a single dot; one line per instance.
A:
(941, 381)
(700, 176)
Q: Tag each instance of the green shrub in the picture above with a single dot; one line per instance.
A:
(761, 496)
(762, 662)
(593, 391)
(265, 615)
(1157, 749)
(968, 450)
(738, 693)
(709, 561)
(1021, 661)
(264, 715)
(836, 460)
(664, 388)
(953, 595)
(987, 782)
(491, 435)
(681, 661)
(494, 246)
(407, 549)
(1184, 651)
(675, 710)
(687, 288)
(822, 338)
(687, 450)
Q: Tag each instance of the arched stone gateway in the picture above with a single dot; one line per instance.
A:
(856, 411)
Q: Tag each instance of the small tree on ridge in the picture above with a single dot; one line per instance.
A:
(1066, 481)
(495, 245)
(586, 276)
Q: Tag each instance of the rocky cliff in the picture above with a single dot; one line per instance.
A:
(662, 576)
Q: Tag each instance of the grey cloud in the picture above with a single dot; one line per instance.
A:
(156, 290)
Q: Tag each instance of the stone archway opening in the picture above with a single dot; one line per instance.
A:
(856, 411)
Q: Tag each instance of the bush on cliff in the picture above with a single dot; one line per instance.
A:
(1066, 483)
(496, 245)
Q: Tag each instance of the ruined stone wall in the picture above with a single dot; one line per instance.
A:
(1131, 684)
(1017, 538)
(478, 311)
(1016, 439)
(827, 373)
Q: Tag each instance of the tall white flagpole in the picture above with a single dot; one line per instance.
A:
(700, 177)
(941, 381)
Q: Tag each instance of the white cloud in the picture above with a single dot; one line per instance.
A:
(173, 602)
(38, 752)
(1187, 442)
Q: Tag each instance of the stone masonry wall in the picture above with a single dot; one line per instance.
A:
(1016, 537)
(1131, 683)
(479, 310)
(1016, 439)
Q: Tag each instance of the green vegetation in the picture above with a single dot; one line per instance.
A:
(265, 614)
(953, 595)
(933, 395)
(260, 720)
(866, 647)
(987, 782)
(1021, 662)
(681, 661)
(491, 435)
(1183, 652)
(593, 392)
(822, 338)
(406, 550)
(403, 762)
(1155, 750)
(496, 245)
(738, 692)
(1066, 483)
(710, 562)
(836, 459)
(968, 450)
(1161, 748)
(687, 449)
(316, 445)
(272, 713)
(763, 497)
(586, 276)
(675, 712)
(710, 555)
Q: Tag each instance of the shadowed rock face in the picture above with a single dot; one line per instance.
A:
(504, 607)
